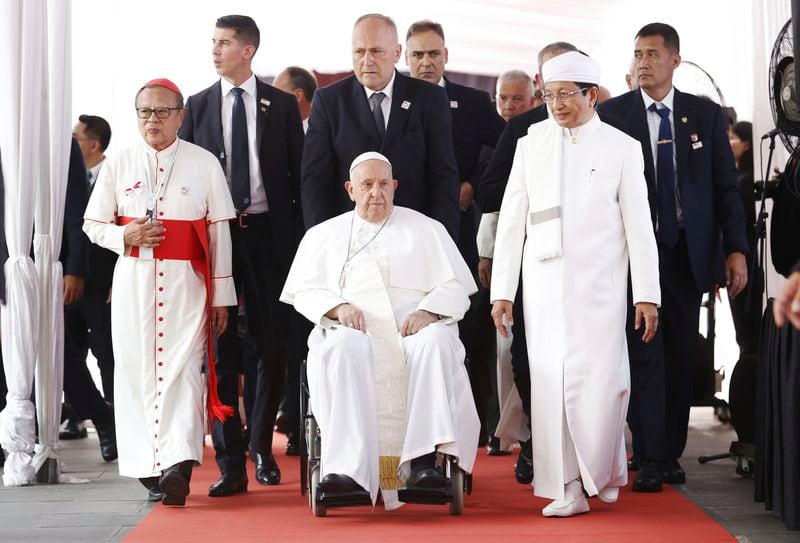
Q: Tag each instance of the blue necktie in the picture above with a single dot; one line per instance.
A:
(240, 155)
(665, 179)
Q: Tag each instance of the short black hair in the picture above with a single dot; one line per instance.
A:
(669, 34)
(425, 26)
(97, 128)
(244, 27)
(300, 78)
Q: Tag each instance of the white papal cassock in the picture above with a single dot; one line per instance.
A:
(575, 304)
(159, 306)
(379, 395)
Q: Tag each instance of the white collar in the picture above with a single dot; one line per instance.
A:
(668, 100)
(387, 90)
(249, 85)
(590, 126)
(96, 169)
(441, 82)
(163, 153)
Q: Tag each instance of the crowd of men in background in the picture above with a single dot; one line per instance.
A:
(286, 149)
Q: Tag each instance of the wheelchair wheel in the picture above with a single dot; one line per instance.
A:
(457, 482)
(318, 510)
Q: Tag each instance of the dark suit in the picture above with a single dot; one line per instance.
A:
(713, 220)
(3, 258)
(263, 248)
(476, 127)
(87, 322)
(418, 142)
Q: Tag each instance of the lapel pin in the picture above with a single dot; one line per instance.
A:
(684, 120)
(264, 104)
(406, 104)
(222, 155)
(697, 145)
(694, 137)
(453, 104)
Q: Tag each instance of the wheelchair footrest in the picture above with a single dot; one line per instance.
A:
(343, 499)
(433, 496)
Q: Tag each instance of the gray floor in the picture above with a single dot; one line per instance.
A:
(108, 507)
(104, 509)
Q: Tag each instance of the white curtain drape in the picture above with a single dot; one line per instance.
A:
(35, 105)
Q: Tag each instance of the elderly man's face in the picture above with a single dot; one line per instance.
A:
(375, 52)
(159, 133)
(426, 56)
(570, 109)
(372, 188)
(514, 98)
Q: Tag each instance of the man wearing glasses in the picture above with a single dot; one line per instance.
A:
(164, 207)
(576, 191)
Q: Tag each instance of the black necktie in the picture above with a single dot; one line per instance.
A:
(240, 155)
(665, 179)
(377, 113)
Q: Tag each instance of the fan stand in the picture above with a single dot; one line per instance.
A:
(744, 453)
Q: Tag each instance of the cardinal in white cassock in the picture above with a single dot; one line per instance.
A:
(574, 217)
(385, 287)
(163, 206)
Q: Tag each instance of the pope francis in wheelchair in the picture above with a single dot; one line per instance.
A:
(385, 287)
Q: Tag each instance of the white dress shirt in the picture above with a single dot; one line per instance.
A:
(653, 124)
(94, 171)
(258, 196)
(386, 105)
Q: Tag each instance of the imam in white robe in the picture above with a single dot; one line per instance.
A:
(378, 395)
(158, 310)
(575, 304)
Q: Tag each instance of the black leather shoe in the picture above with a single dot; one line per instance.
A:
(174, 483)
(673, 473)
(293, 445)
(633, 464)
(267, 470)
(74, 430)
(523, 469)
(493, 449)
(648, 477)
(154, 493)
(228, 485)
(335, 483)
(108, 441)
(426, 478)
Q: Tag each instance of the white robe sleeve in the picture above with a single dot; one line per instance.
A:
(99, 219)
(220, 211)
(450, 300)
(313, 303)
(641, 240)
(511, 227)
(487, 231)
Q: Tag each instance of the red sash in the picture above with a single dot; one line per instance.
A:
(188, 240)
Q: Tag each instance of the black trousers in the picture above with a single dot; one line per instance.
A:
(259, 276)
(680, 317)
(87, 325)
(299, 330)
(477, 333)
(519, 354)
(646, 418)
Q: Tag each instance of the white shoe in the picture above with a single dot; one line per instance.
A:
(609, 494)
(574, 502)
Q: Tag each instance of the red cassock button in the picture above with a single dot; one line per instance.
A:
(161, 289)
(161, 334)
(161, 213)
(160, 319)
(160, 378)
(161, 349)
(155, 435)
(161, 274)
(156, 421)
(160, 304)
(160, 363)
(161, 169)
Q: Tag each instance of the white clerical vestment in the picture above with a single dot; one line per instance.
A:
(575, 302)
(159, 305)
(382, 400)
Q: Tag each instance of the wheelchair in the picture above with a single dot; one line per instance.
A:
(458, 483)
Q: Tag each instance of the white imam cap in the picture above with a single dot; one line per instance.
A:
(572, 66)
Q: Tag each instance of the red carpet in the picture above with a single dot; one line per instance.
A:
(499, 509)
